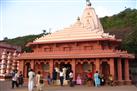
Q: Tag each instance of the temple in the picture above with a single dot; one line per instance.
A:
(81, 47)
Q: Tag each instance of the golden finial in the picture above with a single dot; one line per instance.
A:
(78, 18)
(88, 2)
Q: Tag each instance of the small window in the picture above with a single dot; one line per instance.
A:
(88, 48)
(47, 49)
(45, 67)
(67, 49)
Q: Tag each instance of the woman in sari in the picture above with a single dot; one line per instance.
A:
(97, 79)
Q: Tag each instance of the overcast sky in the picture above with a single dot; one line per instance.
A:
(24, 17)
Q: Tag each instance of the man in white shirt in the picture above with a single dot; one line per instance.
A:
(15, 79)
(61, 75)
(31, 75)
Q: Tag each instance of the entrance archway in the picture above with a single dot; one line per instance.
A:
(60, 66)
(105, 69)
(67, 68)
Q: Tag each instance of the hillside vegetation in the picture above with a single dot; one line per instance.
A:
(123, 25)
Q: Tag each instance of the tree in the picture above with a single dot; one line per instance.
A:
(5, 38)
(44, 32)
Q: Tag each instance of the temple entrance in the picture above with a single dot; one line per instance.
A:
(68, 65)
(83, 69)
(65, 67)
(43, 67)
(105, 69)
(27, 69)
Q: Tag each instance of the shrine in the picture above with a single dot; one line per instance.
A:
(80, 47)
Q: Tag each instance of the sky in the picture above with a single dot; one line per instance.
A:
(25, 17)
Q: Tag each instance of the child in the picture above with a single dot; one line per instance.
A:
(79, 81)
(41, 85)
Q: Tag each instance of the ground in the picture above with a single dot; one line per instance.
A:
(6, 86)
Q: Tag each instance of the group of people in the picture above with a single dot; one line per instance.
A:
(35, 80)
(64, 74)
(38, 80)
(95, 79)
(17, 78)
(91, 79)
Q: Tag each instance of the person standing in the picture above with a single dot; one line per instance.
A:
(97, 79)
(38, 78)
(89, 78)
(79, 81)
(41, 85)
(71, 78)
(49, 78)
(15, 79)
(54, 76)
(31, 75)
(64, 72)
(61, 75)
(111, 82)
(21, 81)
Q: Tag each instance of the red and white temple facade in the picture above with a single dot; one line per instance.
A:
(82, 46)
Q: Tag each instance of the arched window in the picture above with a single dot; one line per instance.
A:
(45, 67)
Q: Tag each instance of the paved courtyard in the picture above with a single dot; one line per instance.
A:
(6, 86)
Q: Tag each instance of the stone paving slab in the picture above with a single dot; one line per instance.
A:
(84, 88)
(6, 86)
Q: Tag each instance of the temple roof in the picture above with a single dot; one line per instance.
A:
(93, 54)
(87, 26)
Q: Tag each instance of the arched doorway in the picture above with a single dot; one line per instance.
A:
(62, 66)
(45, 69)
(88, 66)
(105, 69)
(66, 67)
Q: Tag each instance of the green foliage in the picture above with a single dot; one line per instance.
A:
(123, 25)
(126, 18)
(22, 41)
(130, 42)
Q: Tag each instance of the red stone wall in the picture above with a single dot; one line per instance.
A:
(76, 47)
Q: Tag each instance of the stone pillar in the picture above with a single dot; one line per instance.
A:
(32, 64)
(120, 80)
(119, 70)
(126, 70)
(51, 67)
(73, 63)
(111, 63)
(97, 63)
(25, 69)
(3, 64)
(9, 64)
